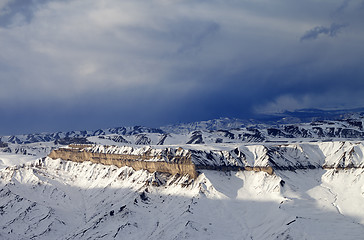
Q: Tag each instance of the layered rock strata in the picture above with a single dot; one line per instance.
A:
(179, 165)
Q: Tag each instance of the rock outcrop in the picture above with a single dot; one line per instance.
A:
(151, 163)
(173, 161)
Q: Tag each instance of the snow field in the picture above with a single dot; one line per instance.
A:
(58, 199)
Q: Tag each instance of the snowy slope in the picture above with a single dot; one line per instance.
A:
(54, 199)
(10, 159)
(349, 154)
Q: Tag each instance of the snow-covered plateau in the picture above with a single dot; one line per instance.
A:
(56, 199)
(315, 191)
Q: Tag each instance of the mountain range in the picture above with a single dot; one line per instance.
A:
(256, 179)
(223, 130)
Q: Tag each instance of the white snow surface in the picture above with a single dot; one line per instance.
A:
(11, 159)
(56, 199)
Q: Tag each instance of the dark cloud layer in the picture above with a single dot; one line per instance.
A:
(91, 64)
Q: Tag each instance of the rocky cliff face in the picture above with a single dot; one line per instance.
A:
(151, 163)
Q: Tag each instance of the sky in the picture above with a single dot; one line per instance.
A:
(89, 64)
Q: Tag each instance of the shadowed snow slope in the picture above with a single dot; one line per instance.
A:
(56, 199)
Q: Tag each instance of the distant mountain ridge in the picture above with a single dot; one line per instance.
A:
(214, 124)
(264, 120)
(347, 126)
(311, 115)
(49, 137)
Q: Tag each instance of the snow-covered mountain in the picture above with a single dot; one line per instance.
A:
(206, 132)
(314, 191)
(287, 117)
(69, 137)
(56, 199)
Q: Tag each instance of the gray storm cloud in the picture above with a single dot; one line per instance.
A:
(157, 61)
(330, 31)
